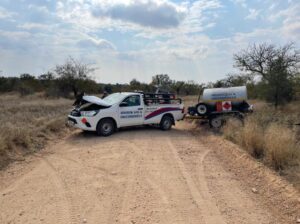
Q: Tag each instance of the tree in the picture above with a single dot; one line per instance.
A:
(192, 88)
(72, 75)
(276, 66)
(177, 86)
(135, 85)
(108, 88)
(46, 79)
(162, 82)
(297, 86)
(233, 80)
(28, 84)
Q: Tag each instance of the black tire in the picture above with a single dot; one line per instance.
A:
(192, 113)
(166, 123)
(202, 109)
(105, 127)
(216, 122)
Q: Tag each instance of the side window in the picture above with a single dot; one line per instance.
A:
(133, 101)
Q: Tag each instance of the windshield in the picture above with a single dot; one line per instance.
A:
(114, 98)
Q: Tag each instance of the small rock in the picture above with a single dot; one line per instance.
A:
(298, 220)
(254, 190)
(84, 221)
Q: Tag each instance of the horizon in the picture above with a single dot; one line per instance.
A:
(188, 40)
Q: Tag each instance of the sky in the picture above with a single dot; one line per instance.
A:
(126, 39)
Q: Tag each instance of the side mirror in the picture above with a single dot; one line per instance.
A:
(123, 104)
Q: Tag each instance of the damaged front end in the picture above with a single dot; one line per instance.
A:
(84, 108)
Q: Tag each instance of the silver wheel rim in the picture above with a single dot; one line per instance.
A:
(167, 124)
(106, 128)
(201, 109)
(216, 123)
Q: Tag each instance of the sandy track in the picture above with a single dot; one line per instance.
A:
(140, 175)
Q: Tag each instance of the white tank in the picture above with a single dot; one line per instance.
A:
(236, 94)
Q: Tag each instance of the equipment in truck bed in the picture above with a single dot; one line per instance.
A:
(161, 98)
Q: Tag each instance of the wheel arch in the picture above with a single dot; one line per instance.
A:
(110, 118)
(169, 115)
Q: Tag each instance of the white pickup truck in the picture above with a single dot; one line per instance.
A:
(125, 109)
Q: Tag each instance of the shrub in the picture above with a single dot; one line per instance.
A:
(232, 130)
(280, 146)
(269, 135)
(252, 138)
(24, 90)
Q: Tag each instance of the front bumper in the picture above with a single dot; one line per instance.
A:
(70, 122)
(79, 122)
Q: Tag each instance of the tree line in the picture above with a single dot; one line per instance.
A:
(270, 72)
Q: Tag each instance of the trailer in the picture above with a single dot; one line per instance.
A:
(219, 104)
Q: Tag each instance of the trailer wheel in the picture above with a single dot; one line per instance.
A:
(105, 127)
(216, 122)
(166, 123)
(202, 109)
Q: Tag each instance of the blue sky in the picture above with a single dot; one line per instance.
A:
(126, 39)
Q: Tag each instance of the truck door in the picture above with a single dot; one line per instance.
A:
(131, 111)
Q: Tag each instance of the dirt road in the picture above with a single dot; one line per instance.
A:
(140, 175)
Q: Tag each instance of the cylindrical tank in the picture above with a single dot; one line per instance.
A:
(235, 94)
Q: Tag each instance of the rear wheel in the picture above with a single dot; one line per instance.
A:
(216, 122)
(105, 127)
(202, 109)
(166, 123)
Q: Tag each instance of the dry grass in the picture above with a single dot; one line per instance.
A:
(27, 123)
(271, 136)
(281, 147)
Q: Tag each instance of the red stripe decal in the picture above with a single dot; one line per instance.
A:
(160, 111)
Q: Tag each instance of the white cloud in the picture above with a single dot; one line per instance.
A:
(31, 26)
(240, 2)
(253, 14)
(4, 14)
(292, 30)
(290, 18)
(148, 17)
(41, 9)
(149, 13)
(196, 20)
(93, 43)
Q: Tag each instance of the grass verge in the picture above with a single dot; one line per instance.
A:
(26, 123)
(272, 137)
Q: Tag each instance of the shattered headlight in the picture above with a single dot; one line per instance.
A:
(88, 113)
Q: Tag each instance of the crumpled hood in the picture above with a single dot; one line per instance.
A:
(95, 100)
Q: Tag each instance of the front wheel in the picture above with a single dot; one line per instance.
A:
(105, 127)
(166, 123)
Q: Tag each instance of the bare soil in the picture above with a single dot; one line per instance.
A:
(144, 175)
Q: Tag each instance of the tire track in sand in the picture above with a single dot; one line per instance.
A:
(62, 207)
(67, 207)
(210, 212)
